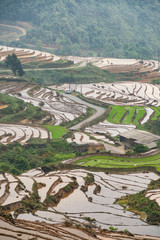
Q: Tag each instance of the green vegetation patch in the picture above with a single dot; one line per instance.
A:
(16, 158)
(62, 63)
(142, 205)
(18, 110)
(130, 114)
(140, 113)
(56, 131)
(116, 114)
(77, 74)
(156, 113)
(154, 126)
(120, 162)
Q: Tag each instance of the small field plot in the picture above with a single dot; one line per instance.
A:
(109, 128)
(129, 115)
(56, 131)
(140, 112)
(116, 114)
(156, 113)
(81, 138)
(21, 133)
(120, 162)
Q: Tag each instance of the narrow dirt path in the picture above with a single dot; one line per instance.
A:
(23, 30)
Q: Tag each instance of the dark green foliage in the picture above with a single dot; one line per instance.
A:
(50, 199)
(78, 75)
(140, 148)
(154, 126)
(14, 63)
(156, 81)
(16, 158)
(154, 217)
(154, 184)
(70, 187)
(103, 28)
(89, 180)
(141, 204)
(18, 110)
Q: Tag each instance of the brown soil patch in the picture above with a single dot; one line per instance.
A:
(3, 106)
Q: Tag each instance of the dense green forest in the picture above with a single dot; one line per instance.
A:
(109, 28)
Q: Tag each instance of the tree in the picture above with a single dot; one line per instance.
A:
(140, 148)
(14, 63)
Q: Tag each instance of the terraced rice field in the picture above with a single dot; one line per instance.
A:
(127, 64)
(44, 231)
(96, 202)
(10, 133)
(132, 114)
(59, 107)
(27, 55)
(154, 195)
(109, 128)
(120, 162)
(120, 93)
(130, 102)
(81, 138)
(111, 64)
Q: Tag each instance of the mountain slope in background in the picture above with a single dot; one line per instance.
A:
(111, 28)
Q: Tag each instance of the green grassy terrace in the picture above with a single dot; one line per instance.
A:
(56, 131)
(119, 162)
(17, 110)
(130, 114)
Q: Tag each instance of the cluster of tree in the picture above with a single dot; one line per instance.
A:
(109, 28)
(15, 158)
(14, 63)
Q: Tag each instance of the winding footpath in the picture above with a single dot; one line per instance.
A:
(99, 111)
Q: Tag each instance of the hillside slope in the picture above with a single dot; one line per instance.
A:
(105, 28)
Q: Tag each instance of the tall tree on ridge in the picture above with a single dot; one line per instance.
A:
(14, 63)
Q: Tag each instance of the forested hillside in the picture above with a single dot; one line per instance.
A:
(109, 28)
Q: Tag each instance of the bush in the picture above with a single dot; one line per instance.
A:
(140, 148)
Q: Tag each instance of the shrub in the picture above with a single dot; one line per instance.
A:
(140, 148)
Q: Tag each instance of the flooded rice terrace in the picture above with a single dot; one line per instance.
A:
(95, 203)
